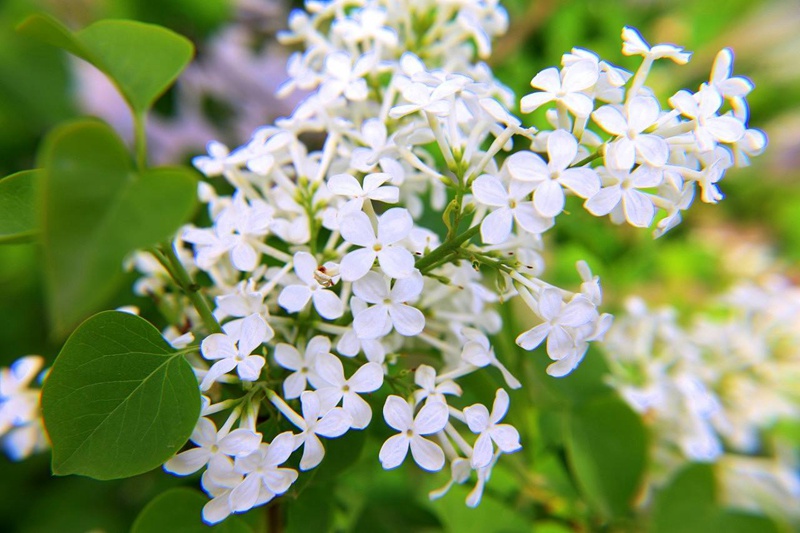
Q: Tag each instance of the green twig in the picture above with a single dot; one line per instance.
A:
(446, 248)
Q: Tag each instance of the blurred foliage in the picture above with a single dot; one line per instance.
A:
(537, 489)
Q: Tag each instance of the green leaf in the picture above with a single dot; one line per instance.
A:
(689, 505)
(312, 511)
(607, 452)
(96, 210)
(119, 401)
(18, 206)
(142, 60)
(180, 511)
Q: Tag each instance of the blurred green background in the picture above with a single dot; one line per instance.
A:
(762, 206)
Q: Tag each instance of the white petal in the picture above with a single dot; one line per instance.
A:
(610, 119)
(397, 413)
(218, 346)
(604, 201)
(330, 369)
(427, 454)
(394, 451)
(313, 452)
(621, 154)
(559, 343)
(432, 418)
(223, 366)
(244, 496)
(345, 185)
(294, 385)
(357, 263)
(394, 225)
(506, 437)
(188, 462)
(653, 149)
(532, 338)
(356, 228)
(244, 257)
(368, 378)
(638, 208)
(288, 357)
(725, 129)
(561, 149)
(548, 80)
(250, 368)
(240, 442)
(477, 417)
(253, 333)
(525, 166)
(371, 323)
(482, 452)
(580, 104)
(496, 227)
(328, 304)
(293, 298)
(407, 289)
(358, 409)
(372, 288)
(530, 220)
(335, 423)
(304, 266)
(407, 320)
(531, 102)
(582, 181)
(489, 190)
(642, 113)
(549, 198)
(217, 510)
(580, 76)
(396, 262)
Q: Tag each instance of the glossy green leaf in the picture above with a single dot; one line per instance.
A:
(18, 206)
(142, 60)
(96, 210)
(607, 452)
(180, 511)
(119, 401)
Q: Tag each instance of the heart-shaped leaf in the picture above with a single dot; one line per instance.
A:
(18, 206)
(141, 59)
(119, 400)
(96, 209)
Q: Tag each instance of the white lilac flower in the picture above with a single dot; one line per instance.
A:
(262, 473)
(634, 44)
(478, 352)
(335, 388)
(234, 351)
(628, 124)
(721, 79)
(210, 444)
(390, 307)
(295, 297)
(334, 423)
(19, 404)
(346, 77)
(393, 226)
(431, 419)
(560, 319)
(304, 366)
(490, 431)
(350, 344)
(621, 196)
(510, 205)
(372, 189)
(552, 177)
(566, 88)
(709, 128)
(429, 390)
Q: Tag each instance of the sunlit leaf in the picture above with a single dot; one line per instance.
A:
(119, 401)
(18, 206)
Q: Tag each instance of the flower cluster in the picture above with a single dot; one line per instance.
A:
(21, 428)
(331, 275)
(713, 391)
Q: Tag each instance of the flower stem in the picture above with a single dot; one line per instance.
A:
(168, 258)
(446, 248)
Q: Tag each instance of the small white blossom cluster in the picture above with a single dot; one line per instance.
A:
(713, 390)
(21, 428)
(330, 272)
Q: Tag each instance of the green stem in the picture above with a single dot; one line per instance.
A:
(587, 159)
(445, 249)
(140, 140)
(167, 257)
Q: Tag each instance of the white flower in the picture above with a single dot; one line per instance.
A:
(263, 475)
(393, 226)
(335, 388)
(350, 344)
(294, 298)
(390, 307)
(550, 177)
(478, 352)
(559, 322)
(211, 444)
(709, 128)
(233, 351)
(373, 189)
(289, 358)
(628, 124)
(510, 205)
(343, 77)
(429, 390)
(334, 423)
(566, 88)
(19, 404)
(489, 431)
(634, 44)
(721, 80)
(431, 419)
(622, 197)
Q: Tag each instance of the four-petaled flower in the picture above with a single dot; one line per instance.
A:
(431, 419)
(233, 351)
(489, 431)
